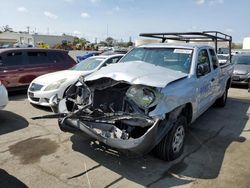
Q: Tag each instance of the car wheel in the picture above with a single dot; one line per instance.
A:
(221, 102)
(172, 145)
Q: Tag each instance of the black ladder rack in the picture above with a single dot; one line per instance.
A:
(205, 36)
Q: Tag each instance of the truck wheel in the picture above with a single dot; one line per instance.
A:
(172, 145)
(221, 102)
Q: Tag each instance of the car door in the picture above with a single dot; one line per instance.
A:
(216, 75)
(35, 64)
(204, 81)
(12, 68)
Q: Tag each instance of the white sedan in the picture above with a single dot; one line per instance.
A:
(46, 86)
(3, 96)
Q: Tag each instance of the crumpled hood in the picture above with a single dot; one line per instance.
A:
(241, 69)
(55, 76)
(138, 72)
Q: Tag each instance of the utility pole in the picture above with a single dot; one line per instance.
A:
(107, 30)
(28, 29)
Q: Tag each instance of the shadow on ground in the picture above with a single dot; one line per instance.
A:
(21, 95)
(239, 86)
(10, 122)
(17, 95)
(7, 180)
(206, 143)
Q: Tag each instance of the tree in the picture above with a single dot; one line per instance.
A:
(110, 41)
(130, 43)
(6, 28)
(237, 45)
(103, 43)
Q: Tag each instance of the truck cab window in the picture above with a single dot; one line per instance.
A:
(214, 59)
(203, 65)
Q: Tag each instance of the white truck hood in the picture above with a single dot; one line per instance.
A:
(138, 72)
(55, 76)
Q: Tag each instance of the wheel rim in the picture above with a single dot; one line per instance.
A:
(178, 139)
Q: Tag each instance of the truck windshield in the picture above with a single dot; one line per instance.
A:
(173, 58)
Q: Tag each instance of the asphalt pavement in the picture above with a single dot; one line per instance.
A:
(35, 153)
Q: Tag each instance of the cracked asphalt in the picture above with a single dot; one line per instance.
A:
(35, 153)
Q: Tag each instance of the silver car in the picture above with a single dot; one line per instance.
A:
(241, 74)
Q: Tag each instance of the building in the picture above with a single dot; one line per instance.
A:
(51, 40)
(33, 39)
(13, 37)
(246, 43)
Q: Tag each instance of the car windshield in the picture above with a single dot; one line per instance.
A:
(88, 64)
(222, 57)
(173, 58)
(243, 60)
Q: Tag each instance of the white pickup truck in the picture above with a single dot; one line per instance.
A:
(148, 99)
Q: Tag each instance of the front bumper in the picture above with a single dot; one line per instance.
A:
(138, 146)
(41, 97)
(240, 79)
(3, 97)
(105, 129)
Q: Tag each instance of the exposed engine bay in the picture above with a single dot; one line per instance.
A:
(112, 109)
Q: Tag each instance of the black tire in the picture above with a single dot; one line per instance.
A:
(221, 102)
(166, 149)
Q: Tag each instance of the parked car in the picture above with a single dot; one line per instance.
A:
(86, 55)
(112, 52)
(19, 66)
(44, 87)
(223, 58)
(7, 46)
(23, 45)
(148, 99)
(241, 73)
(3, 96)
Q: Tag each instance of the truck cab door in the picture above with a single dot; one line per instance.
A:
(216, 75)
(205, 80)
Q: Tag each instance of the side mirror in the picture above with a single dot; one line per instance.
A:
(202, 69)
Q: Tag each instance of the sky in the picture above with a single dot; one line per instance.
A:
(122, 19)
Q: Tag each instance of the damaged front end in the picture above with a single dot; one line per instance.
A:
(113, 112)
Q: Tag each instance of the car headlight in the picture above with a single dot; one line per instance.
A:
(144, 97)
(55, 85)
